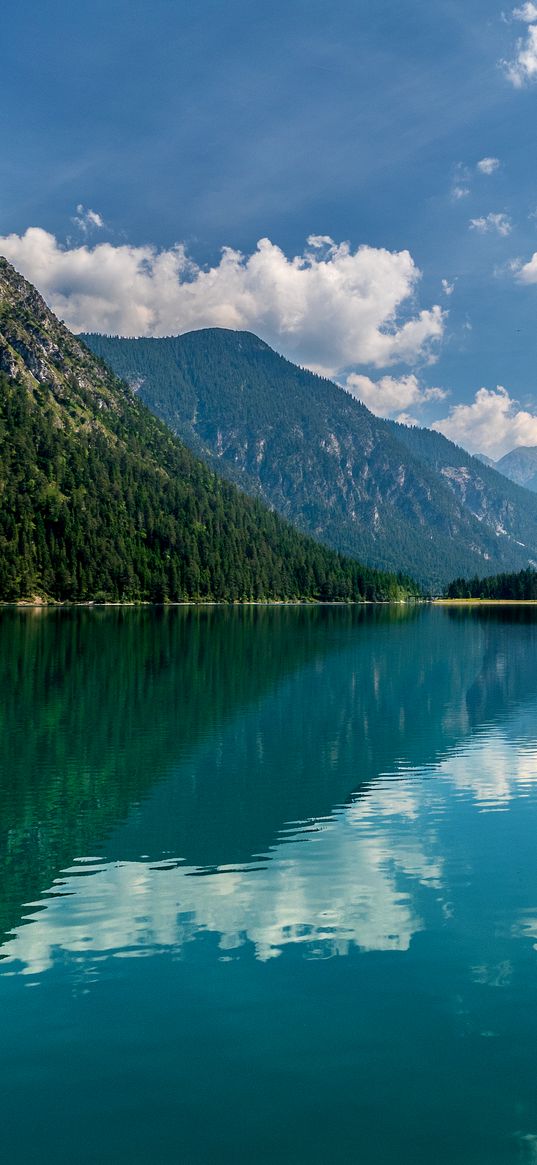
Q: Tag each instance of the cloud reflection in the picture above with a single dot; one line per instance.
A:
(356, 878)
(345, 881)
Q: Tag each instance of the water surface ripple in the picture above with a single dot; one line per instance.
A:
(268, 888)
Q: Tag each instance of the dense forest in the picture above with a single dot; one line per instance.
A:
(101, 502)
(396, 497)
(521, 585)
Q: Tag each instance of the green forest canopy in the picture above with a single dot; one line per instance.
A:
(521, 585)
(84, 517)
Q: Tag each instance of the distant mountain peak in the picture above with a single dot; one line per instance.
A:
(520, 465)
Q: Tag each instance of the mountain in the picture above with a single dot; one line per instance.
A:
(520, 465)
(99, 499)
(393, 496)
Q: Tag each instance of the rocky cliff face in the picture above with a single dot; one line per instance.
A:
(37, 349)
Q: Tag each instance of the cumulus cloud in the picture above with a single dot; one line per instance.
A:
(527, 272)
(527, 12)
(501, 223)
(488, 165)
(328, 308)
(447, 287)
(491, 424)
(389, 395)
(87, 220)
(521, 70)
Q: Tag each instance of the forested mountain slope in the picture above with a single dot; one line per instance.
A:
(392, 496)
(99, 499)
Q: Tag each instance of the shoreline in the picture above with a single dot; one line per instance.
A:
(56, 605)
(90, 604)
(484, 602)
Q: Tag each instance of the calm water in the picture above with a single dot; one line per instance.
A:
(268, 887)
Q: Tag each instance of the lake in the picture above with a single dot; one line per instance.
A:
(268, 886)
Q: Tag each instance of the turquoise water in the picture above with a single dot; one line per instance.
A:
(268, 886)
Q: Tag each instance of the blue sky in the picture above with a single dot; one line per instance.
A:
(215, 125)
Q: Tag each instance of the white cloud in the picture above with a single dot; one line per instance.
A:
(522, 69)
(320, 241)
(460, 186)
(387, 396)
(328, 308)
(527, 273)
(87, 220)
(407, 419)
(488, 165)
(527, 12)
(491, 424)
(501, 223)
(463, 174)
(447, 287)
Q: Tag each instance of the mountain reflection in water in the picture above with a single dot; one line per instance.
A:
(264, 846)
(321, 827)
